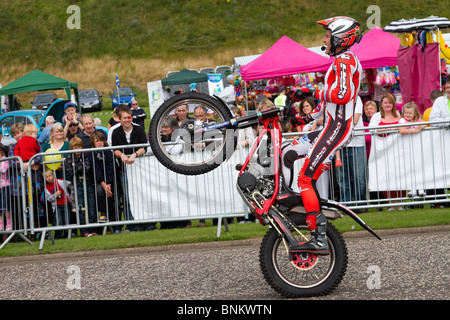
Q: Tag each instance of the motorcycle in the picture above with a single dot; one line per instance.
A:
(206, 144)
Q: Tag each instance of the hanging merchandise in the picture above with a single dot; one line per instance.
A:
(379, 79)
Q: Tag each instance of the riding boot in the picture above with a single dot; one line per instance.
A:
(318, 243)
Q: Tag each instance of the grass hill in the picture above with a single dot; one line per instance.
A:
(142, 40)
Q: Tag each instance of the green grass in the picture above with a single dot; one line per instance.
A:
(377, 220)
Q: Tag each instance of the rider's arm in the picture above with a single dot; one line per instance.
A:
(341, 86)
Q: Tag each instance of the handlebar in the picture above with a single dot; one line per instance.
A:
(243, 122)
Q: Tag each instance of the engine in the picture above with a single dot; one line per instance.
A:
(256, 184)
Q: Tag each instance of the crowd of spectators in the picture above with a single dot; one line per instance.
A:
(89, 187)
(76, 187)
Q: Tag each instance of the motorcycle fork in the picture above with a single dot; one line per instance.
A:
(265, 208)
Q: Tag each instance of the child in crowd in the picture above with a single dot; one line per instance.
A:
(76, 165)
(28, 146)
(410, 115)
(59, 193)
(4, 193)
(71, 116)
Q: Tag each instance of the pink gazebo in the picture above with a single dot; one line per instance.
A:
(284, 58)
(377, 49)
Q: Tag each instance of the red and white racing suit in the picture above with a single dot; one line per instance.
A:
(342, 82)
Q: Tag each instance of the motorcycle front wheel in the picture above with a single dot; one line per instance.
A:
(303, 275)
(183, 147)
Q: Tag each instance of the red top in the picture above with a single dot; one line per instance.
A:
(26, 148)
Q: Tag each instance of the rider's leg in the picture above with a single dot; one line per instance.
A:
(315, 220)
(335, 135)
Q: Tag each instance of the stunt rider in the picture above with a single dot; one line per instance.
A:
(342, 82)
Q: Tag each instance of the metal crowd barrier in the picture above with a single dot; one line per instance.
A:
(143, 194)
(146, 193)
(396, 171)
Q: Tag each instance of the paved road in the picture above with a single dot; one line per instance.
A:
(412, 265)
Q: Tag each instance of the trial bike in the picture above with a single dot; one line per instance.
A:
(206, 144)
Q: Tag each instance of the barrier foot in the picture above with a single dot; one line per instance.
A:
(12, 235)
(219, 226)
(41, 242)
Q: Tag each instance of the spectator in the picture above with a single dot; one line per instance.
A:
(166, 93)
(280, 100)
(71, 130)
(351, 175)
(264, 105)
(168, 126)
(85, 135)
(387, 116)
(113, 124)
(411, 114)
(57, 142)
(138, 113)
(441, 109)
(296, 108)
(306, 106)
(16, 211)
(5, 199)
(45, 133)
(182, 113)
(433, 96)
(59, 193)
(370, 108)
(98, 126)
(28, 146)
(106, 173)
(71, 115)
(5, 142)
(77, 168)
(245, 136)
(115, 118)
(201, 113)
(128, 134)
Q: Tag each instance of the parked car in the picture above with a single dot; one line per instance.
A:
(43, 99)
(126, 96)
(33, 116)
(90, 100)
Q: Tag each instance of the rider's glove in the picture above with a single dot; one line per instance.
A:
(300, 121)
(303, 93)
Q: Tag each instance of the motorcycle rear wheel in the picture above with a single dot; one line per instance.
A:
(303, 275)
(196, 153)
